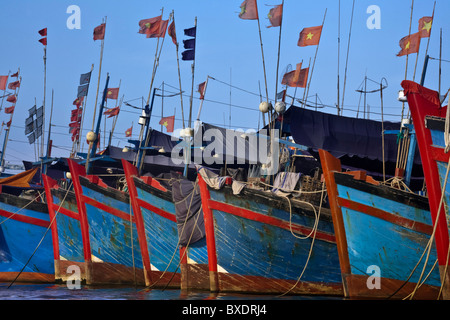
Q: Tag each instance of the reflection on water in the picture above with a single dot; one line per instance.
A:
(20, 291)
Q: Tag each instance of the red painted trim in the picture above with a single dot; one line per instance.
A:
(438, 154)
(130, 172)
(209, 225)
(331, 164)
(387, 216)
(76, 170)
(115, 212)
(26, 219)
(50, 183)
(64, 211)
(255, 216)
(158, 211)
(421, 107)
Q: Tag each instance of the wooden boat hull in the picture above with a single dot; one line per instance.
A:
(111, 248)
(381, 229)
(429, 122)
(172, 265)
(252, 247)
(23, 226)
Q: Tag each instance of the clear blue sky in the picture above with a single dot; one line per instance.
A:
(228, 49)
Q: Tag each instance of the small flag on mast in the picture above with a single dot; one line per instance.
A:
(99, 32)
(168, 122)
(275, 16)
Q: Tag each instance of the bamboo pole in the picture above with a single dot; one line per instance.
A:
(179, 75)
(99, 75)
(315, 57)
(279, 49)
(192, 84)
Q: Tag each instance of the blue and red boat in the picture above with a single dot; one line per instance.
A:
(106, 228)
(382, 235)
(25, 240)
(176, 244)
(430, 121)
(259, 242)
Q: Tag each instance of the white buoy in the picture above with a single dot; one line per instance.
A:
(265, 106)
(280, 107)
(91, 136)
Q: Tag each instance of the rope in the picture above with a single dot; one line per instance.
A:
(42, 239)
(316, 223)
(33, 200)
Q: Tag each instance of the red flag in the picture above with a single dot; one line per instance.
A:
(425, 25)
(8, 124)
(15, 74)
(74, 124)
(99, 32)
(10, 110)
(409, 44)
(172, 32)
(168, 122)
(12, 98)
(201, 90)
(112, 112)
(296, 78)
(128, 132)
(43, 32)
(310, 36)
(275, 16)
(112, 93)
(3, 81)
(14, 85)
(249, 10)
(77, 112)
(43, 41)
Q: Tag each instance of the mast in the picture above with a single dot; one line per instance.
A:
(99, 74)
(192, 85)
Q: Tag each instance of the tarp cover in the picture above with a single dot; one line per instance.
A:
(188, 209)
(343, 135)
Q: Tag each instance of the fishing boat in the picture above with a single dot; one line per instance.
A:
(25, 244)
(173, 222)
(382, 234)
(430, 121)
(108, 229)
(260, 242)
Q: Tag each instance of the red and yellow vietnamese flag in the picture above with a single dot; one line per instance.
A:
(409, 44)
(113, 93)
(168, 122)
(3, 81)
(310, 36)
(112, 112)
(129, 132)
(10, 110)
(275, 16)
(99, 32)
(425, 25)
(153, 27)
(249, 10)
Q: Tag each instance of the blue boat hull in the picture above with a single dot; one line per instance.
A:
(261, 243)
(23, 229)
(172, 264)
